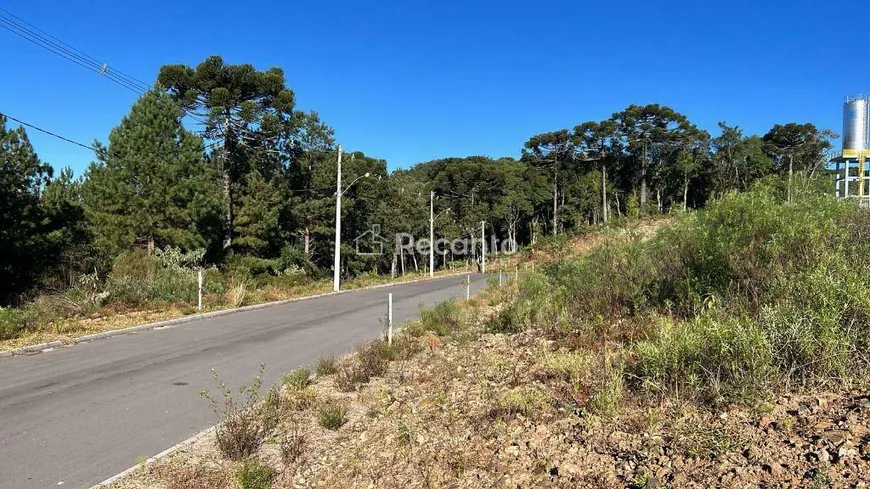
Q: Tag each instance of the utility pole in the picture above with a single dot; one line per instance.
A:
(337, 265)
(482, 247)
(431, 234)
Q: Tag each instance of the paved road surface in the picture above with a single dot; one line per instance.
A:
(81, 414)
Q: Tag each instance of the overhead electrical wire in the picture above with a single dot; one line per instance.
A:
(46, 131)
(43, 39)
(39, 37)
(33, 34)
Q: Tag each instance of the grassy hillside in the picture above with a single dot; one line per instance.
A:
(728, 349)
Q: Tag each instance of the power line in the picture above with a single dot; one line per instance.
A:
(45, 131)
(43, 39)
(39, 37)
(35, 35)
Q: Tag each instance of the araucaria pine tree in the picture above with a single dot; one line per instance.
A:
(152, 185)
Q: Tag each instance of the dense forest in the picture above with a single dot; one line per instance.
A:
(216, 160)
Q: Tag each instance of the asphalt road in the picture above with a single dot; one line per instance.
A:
(81, 414)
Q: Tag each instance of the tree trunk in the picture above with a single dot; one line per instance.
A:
(416, 268)
(534, 237)
(685, 191)
(643, 179)
(555, 204)
(393, 265)
(402, 251)
(306, 240)
(603, 193)
(228, 185)
(228, 202)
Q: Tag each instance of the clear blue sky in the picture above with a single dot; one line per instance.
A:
(417, 80)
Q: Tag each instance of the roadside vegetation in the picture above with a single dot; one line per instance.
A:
(724, 347)
(216, 168)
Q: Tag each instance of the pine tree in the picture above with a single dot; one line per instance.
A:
(152, 185)
(68, 237)
(23, 245)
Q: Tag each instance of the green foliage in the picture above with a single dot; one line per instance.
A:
(151, 186)
(253, 473)
(443, 319)
(25, 245)
(11, 323)
(523, 401)
(241, 428)
(138, 278)
(257, 204)
(371, 360)
(751, 294)
(712, 357)
(539, 303)
(325, 366)
(298, 379)
(331, 416)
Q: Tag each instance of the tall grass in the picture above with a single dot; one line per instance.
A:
(749, 295)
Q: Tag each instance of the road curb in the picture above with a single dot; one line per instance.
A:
(40, 347)
(165, 453)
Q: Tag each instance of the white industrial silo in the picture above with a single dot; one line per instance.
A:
(855, 124)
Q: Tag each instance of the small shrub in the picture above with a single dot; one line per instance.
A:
(707, 358)
(350, 375)
(373, 358)
(189, 476)
(241, 427)
(236, 294)
(325, 366)
(254, 474)
(239, 434)
(11, 323)
(331, 416)
(298, 379)
(270, 410)
(299, 400)
(539, 303)
(443, 319)
(292, 444)
(525, 401)
(708, 440)
(404, 346)
(609, 389)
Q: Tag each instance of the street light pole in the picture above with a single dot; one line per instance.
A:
(431, 234)
(337, 265)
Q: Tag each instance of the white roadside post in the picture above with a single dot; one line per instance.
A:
(516, 272)
(468, 287)
(199, 290)
(431, 234)
(390, 319)
(500, 278)
(337, 265)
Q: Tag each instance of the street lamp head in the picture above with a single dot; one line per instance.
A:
(367, 175)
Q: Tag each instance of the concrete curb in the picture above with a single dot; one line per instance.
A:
(165, 453)
(198, 317)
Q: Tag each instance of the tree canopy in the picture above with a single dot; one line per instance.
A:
(218, 158)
